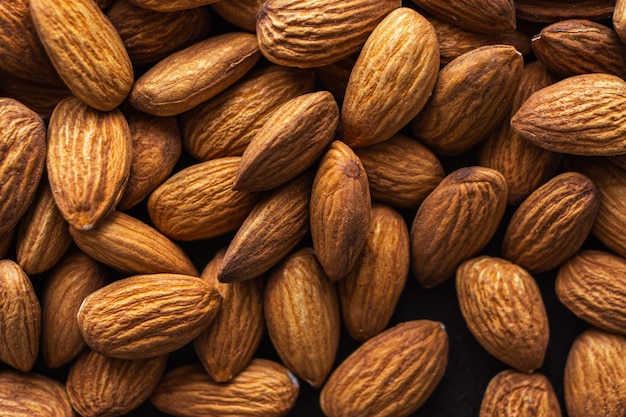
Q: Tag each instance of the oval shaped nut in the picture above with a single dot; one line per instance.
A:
(340, 210)
(580, 115)
(186, 78)
(552, 223)
(455, 222)
(144, 316)
(32, 395)
(318, 32)
(199, 202)
(595, 374)
(88, 161)
(392, 374)
(263, 388)
(171, 6)
(548, 11)
(290, 141)
(519, 394)
(502, 307)
(241, 13)
(85, 49)
(22, 160)
(20, 313)
(373, 111)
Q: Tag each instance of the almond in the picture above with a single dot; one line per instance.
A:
(475, 15)
(32, 395)
(555, 10)
(241, 13)
(41, 98)
(619, 19)
(171, 6)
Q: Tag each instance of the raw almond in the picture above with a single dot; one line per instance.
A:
(475, 15)
(619, 19)
(547, 11)
(32, 395)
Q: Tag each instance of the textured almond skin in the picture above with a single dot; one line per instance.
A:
(22, 159)
(145, 316)
(240, 13)
(263, 389)
(271, 230)
(199, 202)
(619, 19)
(318, 32)
(391, 374)
(32, 395)
(169, 5)
(502, 307)
(594, 375)
(197, 73)
(576, 46)
(302, 316)
(339, 211)
(548, 11)
(401, 172)
(75, 277)
(475, 15)
(85, 49)
(226, 347)
(290, 141)
(518, 394)
(580, 115)
(373, 111)
(88, 161)
(131, 246)
(21, 317)
(370, 292)
(455, 222)
(106, 387)
(39, 97)
(524, 165)
(552, 223)
(472, 95)
(225, 125)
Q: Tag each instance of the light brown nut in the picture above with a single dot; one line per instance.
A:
(391, 374)
(502, 307)
(548, 11)
(32, 395)
(241, 13)
(171, 5)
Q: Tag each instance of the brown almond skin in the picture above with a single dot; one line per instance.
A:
(85, 49)
(271, 230)
(502, 307)
(552, 223)
(455, 222)
(373, 111)
(144, 316)
(339, 211)
(594, 375)
(264, 388)
(186, 78)
(75, 277)
(576, 116)
(88, 161)
(370, 292)
(518, 394)
(619, 19)
(107, 387)
(391, 374)
(169, 5)
(226, 347)
(401, 172)
(40, 97)
(334, 77)
(199, 202)
(317, 33)
(22, 159)
(241, 13)
(21, 313)
(548, 11)
(32, 395)
(472, 95)
(225, 125)
(302, 315)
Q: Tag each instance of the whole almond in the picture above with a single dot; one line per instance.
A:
(548, 11)
(171, 6)
(455, 222)
(373, 111)
(475, 15)
(88, 161)
(264, 388)
(172, 310)
(85, 49)
(552, 223)
(502, 307)
(32, 395)
(241, 13)
(391, 374)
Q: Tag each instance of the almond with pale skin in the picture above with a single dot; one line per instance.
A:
(549, 11)
(32, 395)
(144, 316)
(263, 388)
(171, 6)
(392, 374)
(475, 15)
(502, 307)
(88, 161)
(373, 111)
(85, 49)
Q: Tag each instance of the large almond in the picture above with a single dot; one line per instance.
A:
(32, 395)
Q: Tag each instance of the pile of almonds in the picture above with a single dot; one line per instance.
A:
(212, 208)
